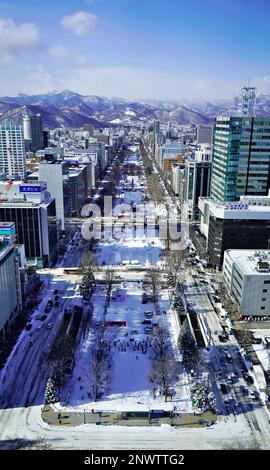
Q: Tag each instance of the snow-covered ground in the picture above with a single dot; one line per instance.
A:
(131, 362)
(131, 345)
(23, 380)
(228, 433)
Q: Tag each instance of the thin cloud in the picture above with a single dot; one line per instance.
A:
(58, 51)
(80, 24)
(18, 38)
(91, 2)
(144, 83)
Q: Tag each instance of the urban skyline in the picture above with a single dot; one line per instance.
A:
(134, 235)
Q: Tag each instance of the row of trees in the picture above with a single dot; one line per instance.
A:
(153, 279)
(174, 267)
(109, 278)
(101, 360)
(164, 366)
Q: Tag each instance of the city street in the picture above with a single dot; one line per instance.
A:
(23, 380)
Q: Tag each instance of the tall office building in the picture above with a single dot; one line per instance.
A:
(8, 284)
(56, 174)
(78, 187)
(197, 179)
(33, 131)
(204, 133)
(33, 211)
(156, 126)
(178, 180)
(241, 158)
(169, 130)
(12, 150)
(241, 225)
(246, 101)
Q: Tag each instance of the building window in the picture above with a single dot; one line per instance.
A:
(262, 308)
(264, 299)
(264, 291)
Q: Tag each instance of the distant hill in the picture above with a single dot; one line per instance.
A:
(70, 109)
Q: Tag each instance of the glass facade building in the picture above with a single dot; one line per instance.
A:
(36, 228)
(241, 158)
(8, 290)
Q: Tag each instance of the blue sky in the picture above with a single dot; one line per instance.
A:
(162, 49)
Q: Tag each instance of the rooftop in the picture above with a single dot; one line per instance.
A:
(251, 261)
(6, 225)
(239, 210)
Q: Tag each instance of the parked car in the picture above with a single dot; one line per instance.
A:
(148, 329)
(248, 378)
(243, 390)
(228, 357)
(224, 388)
(48, 307)
(222, 338)
(253, 395)
(147, 321)
(148, 314)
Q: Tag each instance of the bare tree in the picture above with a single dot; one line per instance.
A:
(101, 358)
(161, 346)
(163, 375)
(62, 355)
(164, 366)
(156, 191)
(109, 278)
(174, 265)
(153, 278)
(32, 280)
(89, 260)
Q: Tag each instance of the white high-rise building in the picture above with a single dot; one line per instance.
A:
(55, 174)
(27, 128)
(12, 150)
(246, 101)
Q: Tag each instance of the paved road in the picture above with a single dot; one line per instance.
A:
(23, 382)
(24, 377)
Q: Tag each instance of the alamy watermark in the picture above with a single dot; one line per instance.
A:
(147, 220)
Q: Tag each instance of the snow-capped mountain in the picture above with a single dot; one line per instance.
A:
(70, 109)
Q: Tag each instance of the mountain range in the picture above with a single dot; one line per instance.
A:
(72, 110)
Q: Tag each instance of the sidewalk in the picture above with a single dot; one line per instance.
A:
(74, 418)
